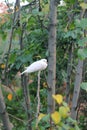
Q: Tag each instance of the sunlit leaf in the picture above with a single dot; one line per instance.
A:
(84, 85)
(56, 117)
(65, 104)
(83, 5)
(41, 115)
(45, 84)
(2, 66)
(64, 111)
(58, 98)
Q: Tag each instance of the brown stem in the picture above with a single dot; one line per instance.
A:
(38, 99)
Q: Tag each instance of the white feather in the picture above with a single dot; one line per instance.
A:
(36, 66)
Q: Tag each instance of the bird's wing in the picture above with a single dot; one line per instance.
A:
(36, 66)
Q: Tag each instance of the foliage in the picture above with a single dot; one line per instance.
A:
(83, 122)
(82, 109)
(84, 86)
(60, 118)
(70, 30)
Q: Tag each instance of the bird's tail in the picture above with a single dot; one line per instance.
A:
(22, 73)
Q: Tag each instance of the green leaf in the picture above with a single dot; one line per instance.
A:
(35, 11)
(69, 119)
(46, 118)
(65, 104)
(45, 1)
(41, 128)
(70, 1)
(76, 127)
(59, 128)
(84, 85)
(12, 58)
(82, 42)
(3, 35)
(81, 23)
(82, 53)
(18, 65)
(71, 34)
(65, 126)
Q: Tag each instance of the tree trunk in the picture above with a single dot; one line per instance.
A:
(52, 55)
(69, 68)
(14, 20)
(3, 114)
(26, 94)
(24, 84)
(78, 80)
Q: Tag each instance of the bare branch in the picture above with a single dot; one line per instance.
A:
(38, 99)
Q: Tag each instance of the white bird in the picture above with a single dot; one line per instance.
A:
(36, 66)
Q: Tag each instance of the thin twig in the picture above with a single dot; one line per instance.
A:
(16, 118)
(38, 99)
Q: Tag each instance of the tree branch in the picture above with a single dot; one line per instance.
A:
(10, 44)
(3, 114)
(38, 99)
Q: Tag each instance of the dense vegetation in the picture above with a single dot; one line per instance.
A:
(24, 34)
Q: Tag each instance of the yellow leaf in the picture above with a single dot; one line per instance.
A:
(41, 115)
(83, 5)
(45, 84)
(10, 96)
(56, 117)
(58, 98)
(64, 111)
(2, 66)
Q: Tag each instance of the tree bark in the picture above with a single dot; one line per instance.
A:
(3, 114)
(52, 55)
(25, 80)
(10, 42)
(24, 84)
(69, 69)
(78, 80)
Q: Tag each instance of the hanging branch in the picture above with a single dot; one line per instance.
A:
(38, 99)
